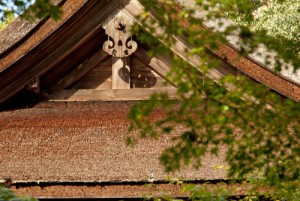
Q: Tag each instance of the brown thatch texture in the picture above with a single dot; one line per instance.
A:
(14, 32)
(121, 191)
(273, 80)
(20, 36)
(17, 30)
(84, 143)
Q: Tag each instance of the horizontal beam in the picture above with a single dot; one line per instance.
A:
(122, 191)
(109, 95)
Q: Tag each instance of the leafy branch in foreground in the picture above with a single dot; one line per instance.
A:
(259, 128)
(8, 195)
(29, 9)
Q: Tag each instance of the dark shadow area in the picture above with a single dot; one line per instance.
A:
(142, 77)
(135, 198)
(23, 99)
(124, 74)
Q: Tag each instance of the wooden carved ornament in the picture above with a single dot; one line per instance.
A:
(119, 43)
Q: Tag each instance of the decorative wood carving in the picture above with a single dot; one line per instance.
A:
(119, 43)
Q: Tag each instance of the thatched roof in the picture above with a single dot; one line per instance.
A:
(32, 49)
(78, 150)
(66, 145)
(20, 37)
(84, 142)
(18, 30)
(260, 53)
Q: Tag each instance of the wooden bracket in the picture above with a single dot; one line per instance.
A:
(34, 85)
(119, 43)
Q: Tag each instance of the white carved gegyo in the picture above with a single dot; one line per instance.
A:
(119, 43)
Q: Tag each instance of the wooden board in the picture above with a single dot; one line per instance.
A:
(109, 95)
(143, 76)
(101, 76)
(98, 77)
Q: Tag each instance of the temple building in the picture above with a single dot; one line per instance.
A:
(65, 91)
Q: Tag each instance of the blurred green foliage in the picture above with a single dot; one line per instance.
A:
(28, 10)
(8, 20)
(259, 128)
(8, 195)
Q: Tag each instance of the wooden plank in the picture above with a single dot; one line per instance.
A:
(147, 72)
(135, 61)
(102, 68)
(120, 73)
(181, 47)
(77, 57)
(103, 84)
(150, 83)
(80, 71)
(159, 63)
(93, 75)
(144, 73)
(109, 95)
(97, 78)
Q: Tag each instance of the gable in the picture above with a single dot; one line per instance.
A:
(65, 62)
(100, 77)
(74, 40)
(107, 69)
(94, 80)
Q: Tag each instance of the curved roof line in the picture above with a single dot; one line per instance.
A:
(12, 60)
(21, 36)
(19, 30)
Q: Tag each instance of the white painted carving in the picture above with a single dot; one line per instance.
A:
(119, 43)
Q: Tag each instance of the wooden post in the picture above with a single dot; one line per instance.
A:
(121, 73)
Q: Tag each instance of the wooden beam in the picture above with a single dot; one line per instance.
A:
(56, 46)
(181, 47)
(160, 64)
(109, 95)
(120, 73)
(80, 71)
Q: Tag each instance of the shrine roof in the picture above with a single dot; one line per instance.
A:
(27, 50)
(85, 142)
